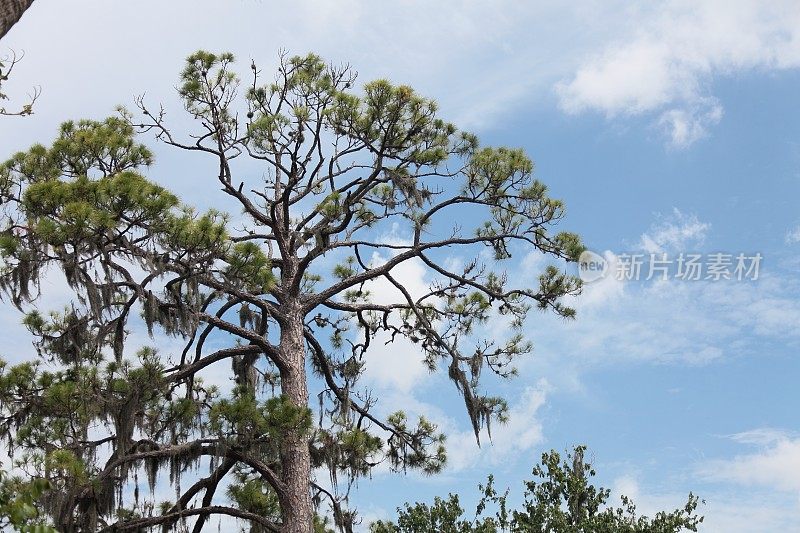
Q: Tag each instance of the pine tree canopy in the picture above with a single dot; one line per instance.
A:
(334, 188)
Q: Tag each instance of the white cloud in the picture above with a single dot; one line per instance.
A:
(519, 436)
(664, 322)
(774, 465)
(648, 501)
(674, 233)
(476, 70)
(760, 436)
(671, 55)
(748, 514)
(491, 59)
(685, 126)
(754, 491)
(396, 364)
(723, 512)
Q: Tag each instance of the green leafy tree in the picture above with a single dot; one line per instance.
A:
(19, 504)
(560, 499)
(351, 185)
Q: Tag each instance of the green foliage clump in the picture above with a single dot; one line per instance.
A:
(243, 418)
(18, 504)
(559, 499)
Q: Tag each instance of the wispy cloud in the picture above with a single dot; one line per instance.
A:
(723, 511)
(490, 60)
(676, 232)
(793, 235)
(667, 322)
(774, 464)
(684, 126)
(665, 65)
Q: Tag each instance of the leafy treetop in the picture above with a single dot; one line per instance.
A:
(559, 499)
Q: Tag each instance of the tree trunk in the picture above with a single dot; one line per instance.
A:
(10, 12)
(297, 511)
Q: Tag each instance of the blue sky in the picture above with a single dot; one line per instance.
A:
(675, 124)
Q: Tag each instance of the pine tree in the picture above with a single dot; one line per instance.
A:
(281, 296)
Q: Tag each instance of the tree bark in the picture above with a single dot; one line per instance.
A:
(10, 13)
(297, 511)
